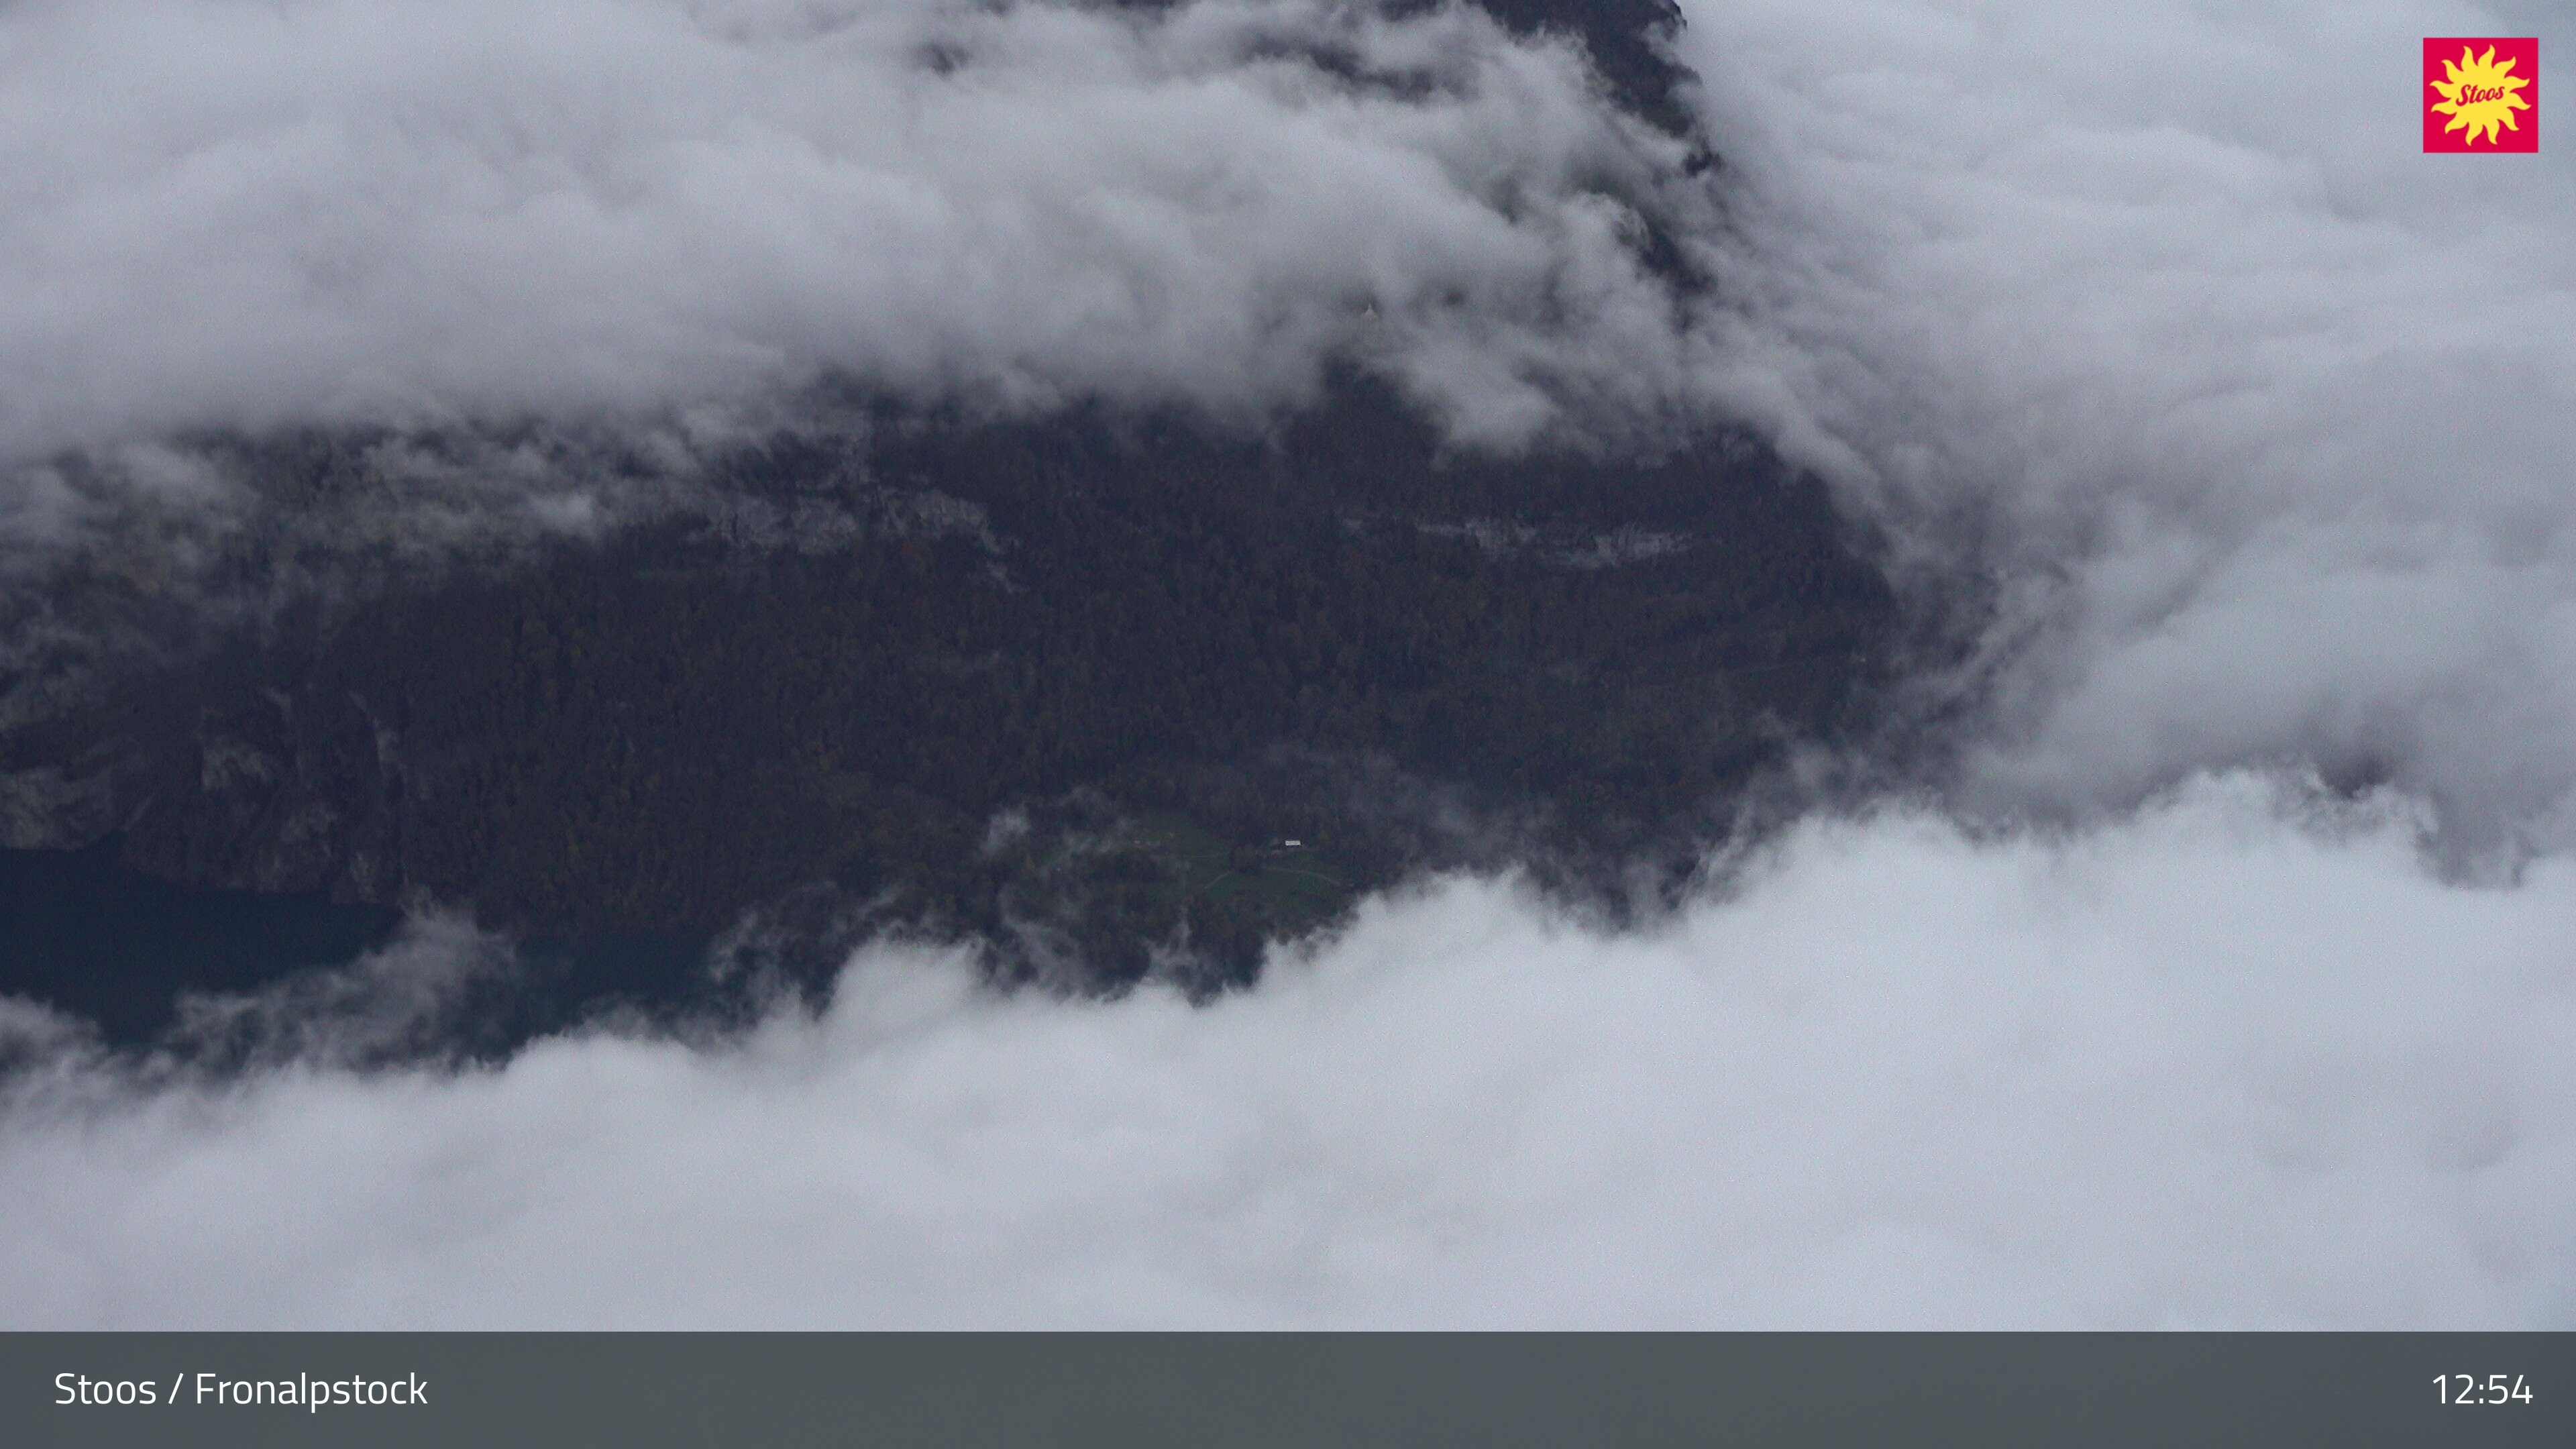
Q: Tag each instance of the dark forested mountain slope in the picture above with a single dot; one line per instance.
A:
(1068, 682)
(1336, 634)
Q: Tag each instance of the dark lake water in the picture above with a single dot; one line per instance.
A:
(85, 936)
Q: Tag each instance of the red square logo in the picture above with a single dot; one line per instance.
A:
(2481, 93)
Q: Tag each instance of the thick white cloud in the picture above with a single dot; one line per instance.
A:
(2204, 1068)
(2266, 421)
(247, 212)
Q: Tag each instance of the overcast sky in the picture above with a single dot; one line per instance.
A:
(2261, 419)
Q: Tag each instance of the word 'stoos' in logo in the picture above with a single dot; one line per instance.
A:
(2481, 94)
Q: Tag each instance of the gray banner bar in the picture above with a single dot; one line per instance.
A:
(1152, 1389)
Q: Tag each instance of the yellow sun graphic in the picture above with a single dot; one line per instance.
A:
(2480, 95)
